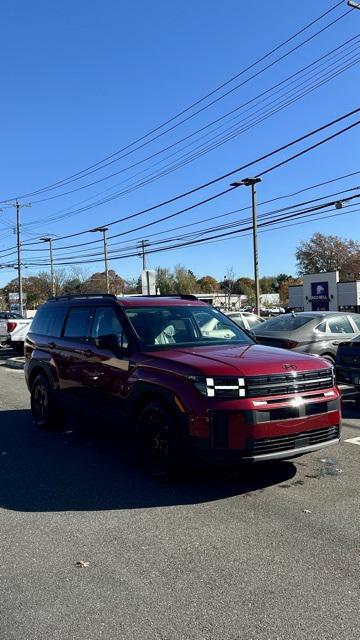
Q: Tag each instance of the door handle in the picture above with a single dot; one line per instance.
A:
(52, 345)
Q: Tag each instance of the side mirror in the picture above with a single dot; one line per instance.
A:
(110, 341)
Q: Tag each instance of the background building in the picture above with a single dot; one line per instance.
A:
(324, 292)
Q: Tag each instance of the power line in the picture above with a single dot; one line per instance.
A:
(310, 211)
(202, 149)
(215, 180)
(313, 132)
(241, 233)
(241, 168)
(222, 215)
(81, 173)
(284, 196)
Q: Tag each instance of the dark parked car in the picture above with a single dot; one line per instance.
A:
(147, 363)
(315, 332)
(348, 364)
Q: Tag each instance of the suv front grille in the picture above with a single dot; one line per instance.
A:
(292, 441)
(286, 383)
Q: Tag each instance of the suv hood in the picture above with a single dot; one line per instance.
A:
(229, 360)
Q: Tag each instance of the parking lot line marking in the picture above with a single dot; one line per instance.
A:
(353, 440)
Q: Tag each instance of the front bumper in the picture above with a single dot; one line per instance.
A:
(275, 448)
(268, 429)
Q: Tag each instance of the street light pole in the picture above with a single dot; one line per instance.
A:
(18, 242)
(103, 230)
(252, 182)
(52, 274)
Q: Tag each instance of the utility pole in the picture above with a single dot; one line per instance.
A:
(143, 244)
(52, 274)
(103, 230)
(18, 207)
(252, 182)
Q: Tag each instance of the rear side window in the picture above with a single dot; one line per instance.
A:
(56, 322)
(40, 321)
(48, 321)
(78, 322)
(340, 324)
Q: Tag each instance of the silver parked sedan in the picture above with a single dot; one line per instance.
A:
(315, 332)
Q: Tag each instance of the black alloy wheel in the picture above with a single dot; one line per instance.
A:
(42, 404)
(160, 443)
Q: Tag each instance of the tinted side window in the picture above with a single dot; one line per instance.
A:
(107, 323)
(340, 325)
(78, 322)
(49, 321)
(56, 322)
(41, 321)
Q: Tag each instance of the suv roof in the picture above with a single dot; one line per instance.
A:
(131, 301)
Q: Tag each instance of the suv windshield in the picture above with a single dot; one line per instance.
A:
(159, 327)
(285, 323)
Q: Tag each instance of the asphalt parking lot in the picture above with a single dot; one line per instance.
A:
(268, 553)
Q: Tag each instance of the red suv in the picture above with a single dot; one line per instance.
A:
(181, 376)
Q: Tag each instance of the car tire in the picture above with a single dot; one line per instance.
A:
(45, 413)
(18, 348)
(160, 444)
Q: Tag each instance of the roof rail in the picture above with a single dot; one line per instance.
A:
(82, 296)
(185, 296)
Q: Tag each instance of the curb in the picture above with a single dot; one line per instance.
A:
(15, 363)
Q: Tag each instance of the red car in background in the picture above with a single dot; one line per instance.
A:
(155, 366)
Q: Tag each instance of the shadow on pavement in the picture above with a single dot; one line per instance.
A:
(5, 353)
(84, 470)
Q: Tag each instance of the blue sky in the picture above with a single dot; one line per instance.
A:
(84, 79)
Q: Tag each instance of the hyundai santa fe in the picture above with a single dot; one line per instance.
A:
(154, 365)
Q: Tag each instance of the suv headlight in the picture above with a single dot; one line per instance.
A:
(217, 387)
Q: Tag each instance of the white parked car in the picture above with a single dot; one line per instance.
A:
(244, 319)
(5, 316)
(17, 329)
